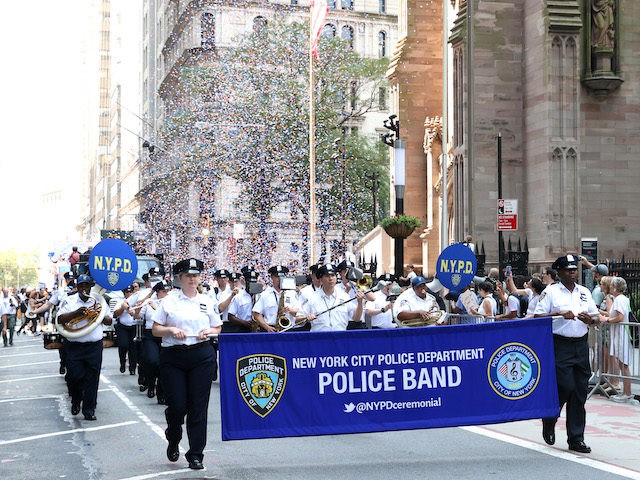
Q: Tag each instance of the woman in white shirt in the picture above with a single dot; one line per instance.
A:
(488, 305)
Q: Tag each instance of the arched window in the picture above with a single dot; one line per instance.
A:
(208, 30)
(259, 24)
(382, 6)
(347, 35)
(382, 44)
(329, 30)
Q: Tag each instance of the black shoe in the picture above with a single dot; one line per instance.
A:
(122, 369)
(75, 408)
(142, 387)
(151, 392)
(90, 417)
(162, 400)
(580, 447)
(62, 370)
(132, 372)
(195, 464)
(548, 432)
(173, 452)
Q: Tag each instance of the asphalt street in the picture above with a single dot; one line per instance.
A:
(40, 439)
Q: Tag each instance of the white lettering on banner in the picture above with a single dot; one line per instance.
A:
(329, 362)
(396, 358)
(362, 360)
(451, 355)
(357, 382)
(436, 377)
(304, 362)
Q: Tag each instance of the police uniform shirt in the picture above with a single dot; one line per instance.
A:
(336, 319)
(513, 305)
(557, 298)
(343, 288)
(221, 297)
(267, 305)
(192, 315)
(73, 303)
(384, 319)
(408, 301)
(147, 311)
(241, 305)
(125, 317)
(307, 293)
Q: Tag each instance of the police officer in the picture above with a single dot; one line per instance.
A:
(84, 353)
(126, 331)
(184, 320)
(239, 308)
(265, 310)
(573, 310)
(415, 303)
(151, 344)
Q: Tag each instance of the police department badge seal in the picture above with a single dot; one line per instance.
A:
(113, 277)
(261, 380)
(513, 371)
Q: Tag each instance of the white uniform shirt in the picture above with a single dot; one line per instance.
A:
(191, 315)
(336, 319)
(513, 305)
(125, 317)
(269, 302)
(221, 297)
(307, 293)
(408, 301)
(241, 305)
(73, 303)
(353, 291)
(384, 319)
(557, 298)
(147, 311)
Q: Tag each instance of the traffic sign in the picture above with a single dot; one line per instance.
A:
(507, 214)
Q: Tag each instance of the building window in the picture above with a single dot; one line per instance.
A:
(347, 4)
(347, 35)
(259, 24)
(329, 31)
(332, 3)
(382, 44)
(382, 6)
(208, 30)
(382, 98)
(294, 2)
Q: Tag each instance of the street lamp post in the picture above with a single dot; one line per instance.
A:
(393, 140)
(340, 157)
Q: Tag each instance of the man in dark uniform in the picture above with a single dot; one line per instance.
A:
(84, 353)
(573, 310)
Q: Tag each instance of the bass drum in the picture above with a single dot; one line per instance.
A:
(109, 339)
(52, 341)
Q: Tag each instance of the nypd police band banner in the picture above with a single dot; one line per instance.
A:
(320, 383)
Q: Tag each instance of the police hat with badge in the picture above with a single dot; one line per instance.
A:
(251, 278)
(566, 262)
(327, 269)
(278, 270)
(221, 273)
(235, 276)
(190, 266)
(160, 286)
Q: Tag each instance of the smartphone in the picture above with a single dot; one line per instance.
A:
(507, 271)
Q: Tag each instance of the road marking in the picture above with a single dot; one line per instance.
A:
(29, 364)
(137, 412)
(571, 457)
(159, 474)
(66, 432)
(9, 400)
(29, 378)
(24, 354)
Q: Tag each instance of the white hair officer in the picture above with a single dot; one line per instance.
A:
(184, 320)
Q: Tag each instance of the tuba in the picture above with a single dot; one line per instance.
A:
(83, 325)
(435, 316)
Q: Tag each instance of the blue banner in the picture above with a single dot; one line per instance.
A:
(320, 383)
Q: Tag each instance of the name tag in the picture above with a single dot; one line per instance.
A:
(203, 308)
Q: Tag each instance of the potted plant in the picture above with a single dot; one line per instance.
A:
(400, 226)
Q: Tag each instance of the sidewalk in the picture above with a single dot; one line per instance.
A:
(613, 432)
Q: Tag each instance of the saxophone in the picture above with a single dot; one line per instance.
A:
(283, 322)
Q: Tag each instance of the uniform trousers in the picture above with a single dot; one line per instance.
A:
(11, 325)
(126, 334)
(151, 361)
(572, 375)
(84, 361)
(186, 373)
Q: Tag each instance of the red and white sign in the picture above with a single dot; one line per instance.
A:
(507, 214)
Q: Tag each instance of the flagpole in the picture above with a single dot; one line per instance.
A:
(312, 165)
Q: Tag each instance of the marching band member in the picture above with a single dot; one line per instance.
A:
(415, 302)
(151, 344)
(380, 309)
(84, 353)
(126, 331)
(184, 320)
(265, 310)
(239, 308)
(331, 309)
(347, 286)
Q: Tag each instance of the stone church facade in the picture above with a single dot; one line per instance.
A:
(558, 80)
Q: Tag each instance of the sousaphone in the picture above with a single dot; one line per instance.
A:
(82, 325)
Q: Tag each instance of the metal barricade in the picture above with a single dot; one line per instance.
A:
(458, 319)
(615, 358)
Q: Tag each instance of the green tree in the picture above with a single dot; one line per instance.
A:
(18, 269)
(244, 113)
